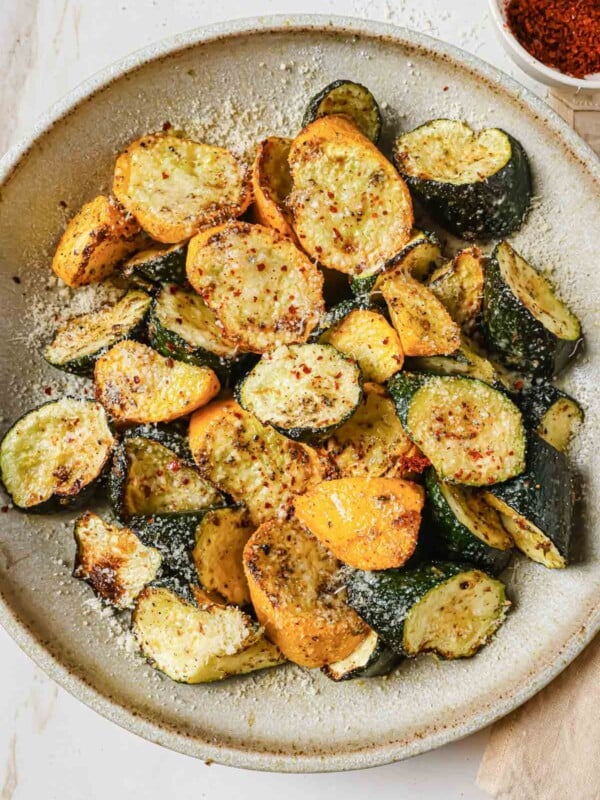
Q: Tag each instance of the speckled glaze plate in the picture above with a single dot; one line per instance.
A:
(233, 84)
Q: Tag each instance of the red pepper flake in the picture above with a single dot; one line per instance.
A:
(165, 175)
(306, 369)
(48, 390)
(519, 385)
(260, 267)
(4, 509)
(137, 379)
(170, 363)
(563, 34)
(62, 203)
(166, 126)
(173, 466)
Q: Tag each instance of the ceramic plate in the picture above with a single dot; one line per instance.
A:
(233, 84)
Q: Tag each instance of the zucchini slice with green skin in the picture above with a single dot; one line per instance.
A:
(198, 644)
(524, 321)
(471, 432)
(459, 285)
(468, 361)
(84, 338)
(305, 391)
(476, 185)
(55, 454)
(371, 659)
(441, 607)
(182, 326)
(153, 473)
(349, 98)
(113, 560)
(159, 264)
(537, 507)
(551, 413)
(466, 527)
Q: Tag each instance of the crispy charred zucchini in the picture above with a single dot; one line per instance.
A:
(305, 391)
(370, 659)
(459, 285)
(466, 527)
(352, 211)
(350, 99)
(218, 553)
(368, 338)
(424, 326)
(250, 461)
(54, 455)
(263, 290)
(159, 264)
(368, 523)
(476, 185)
(537, 507)
(113, 560)
(550, 413)
(471, 433)
(468, 361)
(81, 340)
(96, 239)
(271, 184)
(136, 384)
(182, 326)
(440, 607)
(153, 473)
(174, 187)
(524, 320)
(373, 442)
(298, 595)
(198, 644)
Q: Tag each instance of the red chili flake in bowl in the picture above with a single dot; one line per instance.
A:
(563, 34)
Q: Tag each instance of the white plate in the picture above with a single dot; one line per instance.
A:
(233, 84)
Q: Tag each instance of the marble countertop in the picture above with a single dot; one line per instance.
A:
(52, 746)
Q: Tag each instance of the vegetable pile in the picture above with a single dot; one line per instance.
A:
(321, 437)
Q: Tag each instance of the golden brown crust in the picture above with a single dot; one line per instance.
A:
(271, 184)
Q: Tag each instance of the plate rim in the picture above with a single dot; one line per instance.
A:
(58, 669)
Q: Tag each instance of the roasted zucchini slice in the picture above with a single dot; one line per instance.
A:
(468, 361)
(352, 211)
(550, 413)
(466, 527)
(371, 659)
(250, 461)
(113, 560)
(159, 264)
(182, 326)
(54, 455)
(95, 241)
(193, 644)
(305, 391)
(218, 553)
(524, 321)
(476, 185)
(174, 187)
(298, 595)
(459, 285)
(368, 338)
(424, 326)
(153, 473)
(137, 385)
(471, 432)
(373, 442)
(81, 340)
(537, 507)
(439, 607)
(350, 99)
(368, 523)
(262, 289)
(271, 184)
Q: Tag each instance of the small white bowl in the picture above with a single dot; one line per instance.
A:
(529, 64)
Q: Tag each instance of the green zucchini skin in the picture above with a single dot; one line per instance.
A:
(520, 340)
(488, 209)
(468, 361)
(454, 541)
(384, 599)
(350, 98)
(160, 266)
(539, 402)
(381, 661)
(543, 494)
(336, 314)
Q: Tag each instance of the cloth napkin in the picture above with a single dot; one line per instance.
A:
(549, 749)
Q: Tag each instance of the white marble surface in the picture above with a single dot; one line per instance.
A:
(51, 746)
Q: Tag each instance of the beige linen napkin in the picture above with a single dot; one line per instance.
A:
(549, 749)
